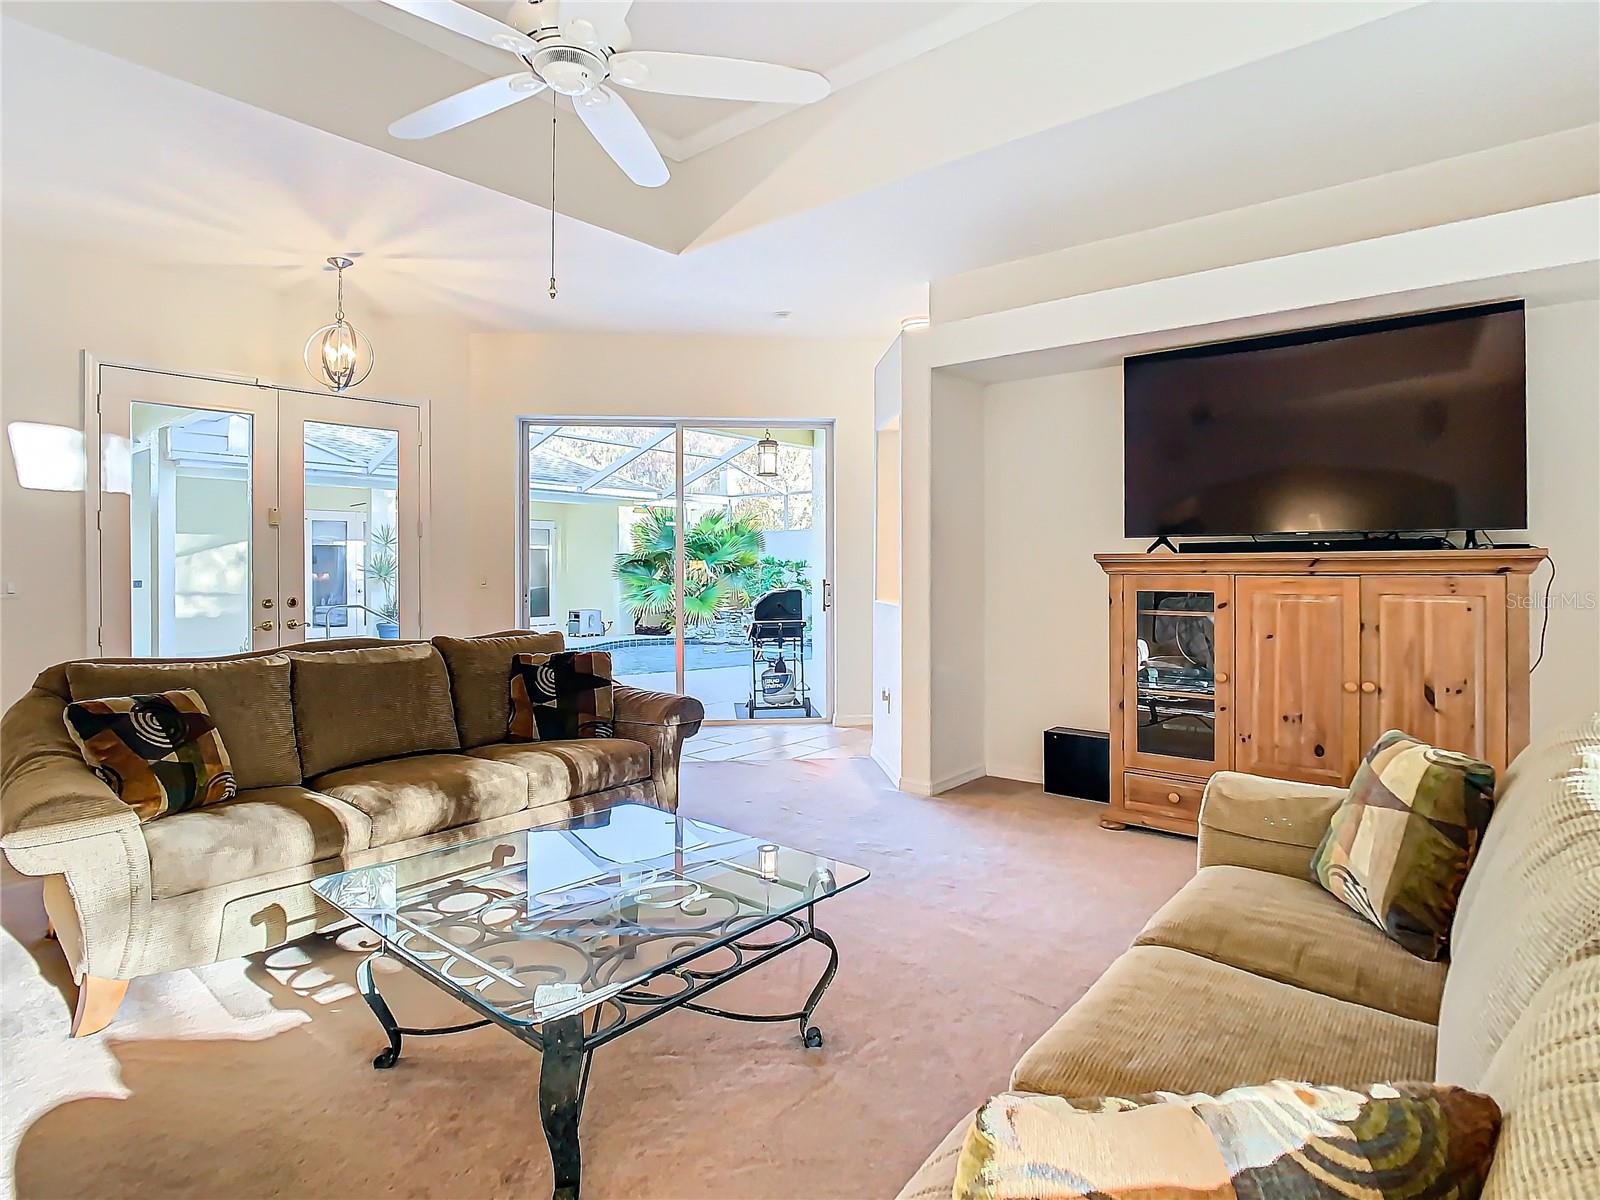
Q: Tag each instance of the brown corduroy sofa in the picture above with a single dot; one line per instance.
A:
(345, 752)
(1253, 972)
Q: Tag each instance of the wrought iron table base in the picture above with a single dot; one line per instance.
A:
(566, 1047)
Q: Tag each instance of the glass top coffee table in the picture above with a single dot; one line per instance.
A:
(570, 935)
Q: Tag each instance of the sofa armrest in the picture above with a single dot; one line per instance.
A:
(638, 706)
(661, 721)
(57, 818)
(1269, 824)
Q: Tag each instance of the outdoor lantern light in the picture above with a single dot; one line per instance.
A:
(339, 356)
(767, 457)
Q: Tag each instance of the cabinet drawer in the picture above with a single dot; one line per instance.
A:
(1175, 798)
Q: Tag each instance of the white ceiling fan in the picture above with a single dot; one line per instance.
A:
(574, 47)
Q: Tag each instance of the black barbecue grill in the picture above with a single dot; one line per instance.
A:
(777, 653)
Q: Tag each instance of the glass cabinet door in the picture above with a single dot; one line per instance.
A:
(1176, 695)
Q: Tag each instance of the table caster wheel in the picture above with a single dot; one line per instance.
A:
(812, 1037)
(386, 1059)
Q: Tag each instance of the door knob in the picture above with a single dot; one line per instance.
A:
(1350, 686)
(292, 624)
(267, 603)
(1369, 687)
(292, 602)
(1222, 677)
(266, 626)
(1174, 798)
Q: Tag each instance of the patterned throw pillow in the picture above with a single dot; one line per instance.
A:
(561, 695)
(1398, 848)
(1274, 1141)
(160, 753)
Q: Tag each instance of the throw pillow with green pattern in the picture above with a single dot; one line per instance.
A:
(1399, 846)
(1274, 1141)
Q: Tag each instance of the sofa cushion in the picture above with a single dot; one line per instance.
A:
(1531, 903)
(248, 698)
(159, 753)
(549, 777)
(408, 797)
(1293, 931)
(356, 706)
(1398, 849)
(1165, 1020)
(592, 764)
(480, 680)
(254, 834)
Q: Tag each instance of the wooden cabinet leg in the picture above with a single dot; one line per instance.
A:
(1104, 824)
(50, 931)
(97, 1004)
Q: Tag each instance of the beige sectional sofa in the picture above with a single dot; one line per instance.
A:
(345, 752)
(1253, 972)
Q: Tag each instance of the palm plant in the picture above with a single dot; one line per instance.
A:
(383, 571)
(721, 557)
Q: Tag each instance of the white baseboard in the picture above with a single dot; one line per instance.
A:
(1029, 774)
(957, 778)
(854, 721)
(889, 768)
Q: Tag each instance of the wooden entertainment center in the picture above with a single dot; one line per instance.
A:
(1292, 664)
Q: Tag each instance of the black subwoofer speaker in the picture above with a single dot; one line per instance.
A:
(1077, 762)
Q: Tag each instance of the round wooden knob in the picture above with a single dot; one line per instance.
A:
(1369, 687)
(1174, 798)
(1222, 677)
(1349, 686)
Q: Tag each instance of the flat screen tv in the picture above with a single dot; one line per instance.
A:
(1401, 425)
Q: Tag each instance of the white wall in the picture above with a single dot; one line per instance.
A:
(1537, 171)
(887, 536)
(1053, 499)
(957, 617)
(540, 375)
(60, 299)
(1564, 505)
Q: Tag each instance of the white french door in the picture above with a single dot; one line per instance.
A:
(226, 508)
(349, 518)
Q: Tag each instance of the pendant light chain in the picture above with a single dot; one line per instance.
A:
(554, 111)
(338, 305)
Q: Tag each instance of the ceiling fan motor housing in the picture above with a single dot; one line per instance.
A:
(570, 70)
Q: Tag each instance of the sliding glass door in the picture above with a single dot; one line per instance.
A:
(696, 554)
(235, 516)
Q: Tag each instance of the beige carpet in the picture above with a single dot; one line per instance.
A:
(990, 909)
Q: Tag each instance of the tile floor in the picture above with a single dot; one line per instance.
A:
(766, 741)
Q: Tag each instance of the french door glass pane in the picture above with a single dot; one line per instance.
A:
(190, 530)
(599, 557)
(352, 548)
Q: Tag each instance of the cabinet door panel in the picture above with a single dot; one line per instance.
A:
(1298, 653)
(1433, 653)
(1177, 689)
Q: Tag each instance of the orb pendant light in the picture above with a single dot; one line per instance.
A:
(767, 457)
(339, 356)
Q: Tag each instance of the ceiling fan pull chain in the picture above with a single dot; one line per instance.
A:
(554, 112)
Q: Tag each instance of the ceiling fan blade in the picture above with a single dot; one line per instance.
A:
(469, 22)
(622, 137)
(608, 18)
(479, 101)
(716, 78)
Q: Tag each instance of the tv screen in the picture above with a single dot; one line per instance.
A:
(1407, 424)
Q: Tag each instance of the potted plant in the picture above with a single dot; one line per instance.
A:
(383, 573)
